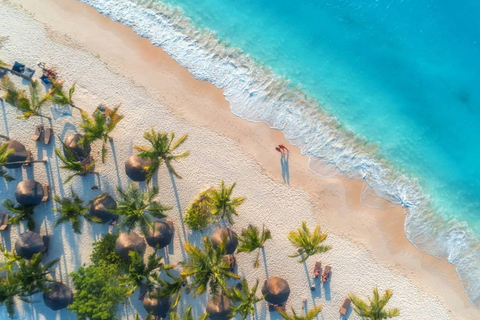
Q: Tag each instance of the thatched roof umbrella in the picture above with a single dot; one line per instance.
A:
(135, 168)
(29, 192)
(100, 208)
(227, 235)
(19, 154)
(276, 290)
(78, 150)
(161, 234)
(158, 306)
(29, 243)
(219, 308)
(127, 242)
(59, 296)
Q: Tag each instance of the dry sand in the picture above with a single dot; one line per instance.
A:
(111, 64)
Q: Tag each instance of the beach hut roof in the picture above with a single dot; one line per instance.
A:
(19, 154)
(79, 151)
(219, 308)
(59, 296)
(127, 242)
(29, 192)
(29, 243)
(159, 307)
(276, 290)
(135, 168)
(100, 208)
(227, 235)
(161, 234)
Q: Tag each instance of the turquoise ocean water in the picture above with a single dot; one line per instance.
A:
(402, 75)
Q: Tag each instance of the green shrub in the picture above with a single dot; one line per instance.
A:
(104, 253)
(198, 215)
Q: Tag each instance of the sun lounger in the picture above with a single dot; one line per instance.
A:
(45, 79)
(3, 221)
(345, 306)
(317, 271)
(28, 72)
(38, 132)
(47, 135)
(46, 242)
(327, 271)
(46, 193)
(18, 67)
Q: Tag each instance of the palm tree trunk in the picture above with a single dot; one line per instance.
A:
(24, 162)
(4, 137)
(74, 106)
(46, 117)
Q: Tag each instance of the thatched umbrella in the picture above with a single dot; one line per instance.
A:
(135, 168)
(159, 306)
(80, 152)
(219, 308)
(58, 296)
(227, 235)
(276, 290)
(100, 208)
(19, 154)
(161, 234)
(29, 192)
(29, 243)
(127, 242)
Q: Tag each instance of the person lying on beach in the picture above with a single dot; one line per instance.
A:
(282, 147)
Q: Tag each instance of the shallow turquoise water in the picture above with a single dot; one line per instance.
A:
(402, 73)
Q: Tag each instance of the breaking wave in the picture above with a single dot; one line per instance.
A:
(257, 94)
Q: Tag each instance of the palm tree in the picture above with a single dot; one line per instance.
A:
(138, 208)
(8, 290)
(246, 297)
(374, 310)
(307, 243)
(72, 164)
(100, 126)
(139, 272)
(162, 148)
(61, 97)
(71, 209)
(207, 268)
(187, 315)
(21, 213)
(171, 289)
(30, 106)
(222, 204)
(4, 153)
(312, 314)
(32, 274)
(251, 240)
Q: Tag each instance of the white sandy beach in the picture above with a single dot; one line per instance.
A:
(112, 65)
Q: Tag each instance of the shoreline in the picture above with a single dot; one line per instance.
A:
(378, 231)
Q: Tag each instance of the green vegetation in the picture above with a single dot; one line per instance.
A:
(207, 268)
(29, 105)
(198, 215)
(161, 150)
(71, 210)
(307, 244)
(140, 273)
(22, 278)
(4, 153)
(100, 126)
(72, 164)
(173, 288)
(61, 97)
(21, 213)
(187, 315)
(312, 314)
(374, 309)
(138, 208)
(251, 239)
(246, 299)
(104, 253)
(222, 204)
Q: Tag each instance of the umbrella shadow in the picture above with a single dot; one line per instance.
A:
(284, 162)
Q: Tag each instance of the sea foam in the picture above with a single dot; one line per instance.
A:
(257, 94)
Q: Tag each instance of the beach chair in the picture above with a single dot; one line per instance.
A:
(3, 221)
(38, 132)
(18, 67)
(46, 193)
(28, 73)
(46, 242)
(46, 79)
(327, 272)
(345, 306)
(47, 135)
(317, 270)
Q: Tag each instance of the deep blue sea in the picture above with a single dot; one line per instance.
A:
(401, 75)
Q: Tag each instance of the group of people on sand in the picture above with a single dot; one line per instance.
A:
(282, 149)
